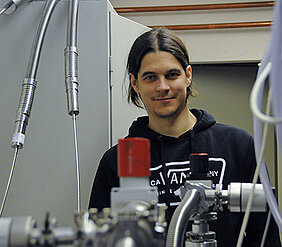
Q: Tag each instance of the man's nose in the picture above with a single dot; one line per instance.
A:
(162, 84)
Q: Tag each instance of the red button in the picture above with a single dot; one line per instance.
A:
(134, 157)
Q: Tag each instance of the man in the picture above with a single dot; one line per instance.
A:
(160, 79)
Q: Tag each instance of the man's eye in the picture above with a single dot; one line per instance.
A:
(172, 75)
(150, 78)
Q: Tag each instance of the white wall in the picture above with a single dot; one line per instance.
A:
(204, 46)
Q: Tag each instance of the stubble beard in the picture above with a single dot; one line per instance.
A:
(175, 113)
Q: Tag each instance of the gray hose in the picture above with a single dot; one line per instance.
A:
(71, 59)
(12, 6)
(272, 55)
(179, 221)
(29, 83)
(39, 38)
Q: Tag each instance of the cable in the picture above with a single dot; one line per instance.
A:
(6, 6)
(77, 164)
(9, 181)
(71, 59)
(28, 89)
(273, 55)
(263, 71)
(276, 165)
(266, 229)
(12, 6)
(71, 81)
(254, 98)
(249, 204)
(29, 82)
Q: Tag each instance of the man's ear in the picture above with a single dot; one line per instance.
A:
(189, 74)
(133, 82)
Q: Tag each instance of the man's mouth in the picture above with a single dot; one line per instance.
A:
(163, 98)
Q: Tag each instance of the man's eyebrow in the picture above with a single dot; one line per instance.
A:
(148, 73)
(174, 70)
(153, 73)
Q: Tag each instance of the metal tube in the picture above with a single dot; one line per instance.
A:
(71, 59)
(195, 7)
(71, 81)
(204, 7)
(218, 25)
(12, 6)
(72, 23)
(9, 181)
(39, 38)
(179, 221)
(6, 7)
(29, 83)
(77, 164)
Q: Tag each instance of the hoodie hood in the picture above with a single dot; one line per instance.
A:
(140, 126)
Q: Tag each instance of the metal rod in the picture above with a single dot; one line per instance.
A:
(77, 163)
(39, 38)
(9, 181)
(29, 83)
(195, 7)
(72, 23)
(71, 59)
(218, 25)
(6, 6)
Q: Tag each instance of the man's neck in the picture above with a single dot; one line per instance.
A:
(173, 127)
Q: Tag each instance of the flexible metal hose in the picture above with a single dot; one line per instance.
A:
(71, 59)
(29, 82)
(71, 81)
(179, 221)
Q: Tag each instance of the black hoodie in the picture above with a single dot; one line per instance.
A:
(231, 159)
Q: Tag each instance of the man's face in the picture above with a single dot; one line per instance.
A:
(162, 85)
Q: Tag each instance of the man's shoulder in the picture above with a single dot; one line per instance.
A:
(231, 130)
(110, 154)
(229, 135)
(208, 124)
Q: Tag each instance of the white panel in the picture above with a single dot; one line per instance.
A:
(225, 46)
(44, 178)
(123, 34)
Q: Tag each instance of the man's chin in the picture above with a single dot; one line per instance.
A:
(169, 112)
(165, 115)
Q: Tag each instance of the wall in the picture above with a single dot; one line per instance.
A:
(221, 45)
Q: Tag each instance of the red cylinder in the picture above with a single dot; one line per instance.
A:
(134, 157)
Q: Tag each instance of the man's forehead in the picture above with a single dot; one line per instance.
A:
(157, 62)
